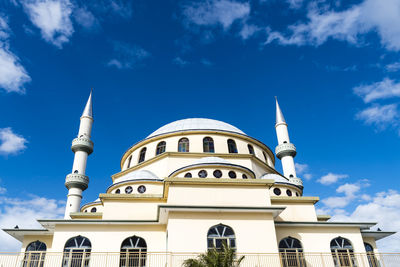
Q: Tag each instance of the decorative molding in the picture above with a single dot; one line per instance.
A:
(82, 144)
(285, 149)
(77, 180)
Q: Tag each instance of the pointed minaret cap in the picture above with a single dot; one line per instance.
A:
(88, 111)
(279, 116)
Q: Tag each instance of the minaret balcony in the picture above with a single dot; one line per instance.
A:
(82, 144)
(285, 149)
(76, 180)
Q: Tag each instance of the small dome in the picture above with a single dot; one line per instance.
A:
(136, 175)
(196, 124)
(211, 160)
(277, 178)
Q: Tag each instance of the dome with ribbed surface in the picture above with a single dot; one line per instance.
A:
(196, 124)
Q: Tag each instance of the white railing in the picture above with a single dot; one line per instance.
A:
(154, 259)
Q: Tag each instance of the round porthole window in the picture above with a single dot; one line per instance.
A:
(244, 176)
(188, 175)
(232, 174)
(141, 189)
(202, 174)
(277, 191)
(128, 189)
(289, 193)
(93, 210)
(117, 191)
(217, 174)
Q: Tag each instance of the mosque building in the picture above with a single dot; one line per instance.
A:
(193, 185)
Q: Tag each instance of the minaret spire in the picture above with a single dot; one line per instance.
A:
(279, 115)
(82, 146)
(285, 150)
(88, 111)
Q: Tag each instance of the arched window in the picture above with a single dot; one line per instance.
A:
(265, 157)
(142, 155)
(208, 145)
(221, 234)
(251, 150)
(129, 162)
(188, 175)
(232, 146)
(34, 254)
(372, 260)
(160, 148)
(183, 145)
(77, 252)
(342, 252)
(291, 252)
(133, 252)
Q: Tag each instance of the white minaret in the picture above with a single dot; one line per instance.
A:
(285, 151)
(82, 146)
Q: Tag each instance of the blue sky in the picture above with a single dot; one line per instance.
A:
(334, 66)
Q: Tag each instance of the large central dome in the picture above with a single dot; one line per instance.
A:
(196, 124)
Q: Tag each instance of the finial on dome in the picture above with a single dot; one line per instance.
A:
(88, 111)
(279, 115)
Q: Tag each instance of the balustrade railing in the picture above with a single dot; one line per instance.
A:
(170, 259)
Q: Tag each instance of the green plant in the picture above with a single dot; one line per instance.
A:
(215, 258)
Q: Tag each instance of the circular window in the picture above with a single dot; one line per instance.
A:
(128, 189)
(188, 175)
(141, 189)
(117, 191)
(202, 174)
(232, 174)
(217, 174)
(277, 191)
(93, 210)
(244, 176)
(297, 194)
(85, 210)
(289, 193)
(291, 176)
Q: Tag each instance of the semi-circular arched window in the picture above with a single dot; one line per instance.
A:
(142, 155)
(232, 146)
(291, 252)
(220, 235)
(133, 252)
(342, 252)
(208, 145)
(160, 147)
(183, 145)
(251, 149)
(372, 260)
(77, 252)
(35, 253)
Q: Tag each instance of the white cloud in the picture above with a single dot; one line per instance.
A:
(387, 88)
(380, 16)
(383, 209)
(215, 12)
(303, 170)
(86, 19)
(2, 190)
(393, 67)
(10, 142)
(295, 4)
(380, 116)
(248, 30)
(206, 62)
(24, 212)
(53, 18)
(331, 178)
(13, 75)
(127, 56)
(180, 62)
(349, 190)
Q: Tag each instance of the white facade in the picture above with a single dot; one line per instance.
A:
(187, 178)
